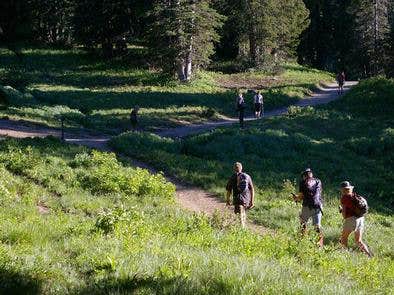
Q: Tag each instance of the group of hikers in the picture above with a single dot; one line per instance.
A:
(258, 106)
(258, 100)
(353, 206)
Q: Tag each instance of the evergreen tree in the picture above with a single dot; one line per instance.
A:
(15, 24)
(102, 22)
(182, 35)
(326, 42)
(51, 20)
(372, 29)
(264, 28)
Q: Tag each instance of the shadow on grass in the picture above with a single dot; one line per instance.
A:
(12, 282)
(155, 285)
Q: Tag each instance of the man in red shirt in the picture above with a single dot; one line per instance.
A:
(352, 222)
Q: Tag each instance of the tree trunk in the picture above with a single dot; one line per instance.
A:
(188, 63)
(181, 70)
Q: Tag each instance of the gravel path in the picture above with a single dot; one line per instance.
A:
(188, 197)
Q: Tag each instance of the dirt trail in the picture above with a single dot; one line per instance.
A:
(324, 95)
(188, 197)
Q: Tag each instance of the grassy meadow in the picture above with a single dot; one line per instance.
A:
(350, 139)
(75, 221)
(99, 95)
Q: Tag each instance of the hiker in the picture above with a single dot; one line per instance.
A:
(340, 81)
(258, 105)
(310, 192)
(134, 117)
(241, 185)
(241, 106)
(353, 216)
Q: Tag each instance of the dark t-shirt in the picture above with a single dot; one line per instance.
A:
(239, 198)
(311, 189)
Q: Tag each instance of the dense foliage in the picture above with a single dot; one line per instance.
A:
(182, 35)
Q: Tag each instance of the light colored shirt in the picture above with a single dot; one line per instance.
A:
(258, 98)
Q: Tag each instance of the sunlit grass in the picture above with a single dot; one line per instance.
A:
(86, 84)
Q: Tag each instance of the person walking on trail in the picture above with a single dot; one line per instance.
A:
(134, 117)
(258, 105)
(341, 81)
(241, 106)
(241, 185)
(353, 207)
(310, 192)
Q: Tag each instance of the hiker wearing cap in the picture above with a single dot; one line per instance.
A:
(310, 192)
(241, 185)
(353, 215)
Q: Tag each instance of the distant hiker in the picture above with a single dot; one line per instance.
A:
(134, 117)
(341, 81)
(353, 207)
(241, 106)
(241, 185)
(310, 192)
(258, 105)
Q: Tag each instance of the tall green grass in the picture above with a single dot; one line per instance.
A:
(350, 139)
(111, 229)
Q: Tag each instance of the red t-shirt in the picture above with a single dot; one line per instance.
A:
(347, 205)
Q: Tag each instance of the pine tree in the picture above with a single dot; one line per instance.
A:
(52, 20)
(102, 22)
(182, 35)
(372, 29)
(273, 27)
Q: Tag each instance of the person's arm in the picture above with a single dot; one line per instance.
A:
(343, 208)
(251, 195)
(228, 198)
(228, 191)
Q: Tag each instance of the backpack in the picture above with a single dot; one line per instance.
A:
(360, 205)
(242, 183)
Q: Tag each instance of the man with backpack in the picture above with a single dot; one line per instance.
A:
(241, 106)
(353, 208)
(310, 192)
(241, 185)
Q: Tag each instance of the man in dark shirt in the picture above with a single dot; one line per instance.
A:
(352, 222)
(241, 185)
(312, 203)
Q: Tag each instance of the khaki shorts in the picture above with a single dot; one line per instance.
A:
(354, 224)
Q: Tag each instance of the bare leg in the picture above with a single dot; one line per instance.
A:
(243, 216)
(320, 242)
(344, 237)
(303, 226)
(358, 238)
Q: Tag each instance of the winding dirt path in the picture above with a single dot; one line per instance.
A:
(323, 95)
(188, 197)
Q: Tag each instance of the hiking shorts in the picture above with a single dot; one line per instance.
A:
(354, 224)
(314, 213)
(257, 107)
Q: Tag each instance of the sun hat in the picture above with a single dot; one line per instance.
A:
(346, 184)
(306, 171)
